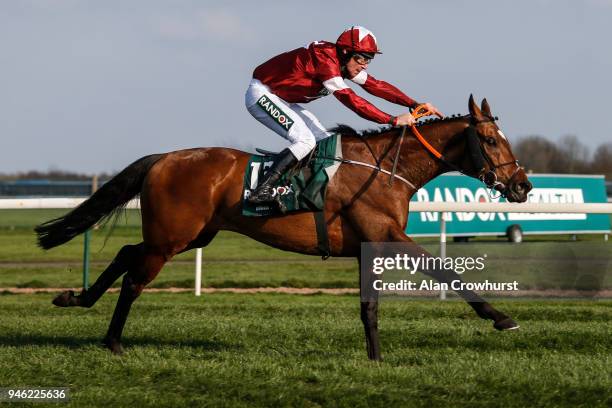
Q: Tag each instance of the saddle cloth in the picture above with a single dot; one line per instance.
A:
(303, 190)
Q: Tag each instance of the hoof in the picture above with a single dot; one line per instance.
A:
(113, 345)
(506, 324)
(374, 355)
(65, 299)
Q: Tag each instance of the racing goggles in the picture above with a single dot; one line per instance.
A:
(363, 58)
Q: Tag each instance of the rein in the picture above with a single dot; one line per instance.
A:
(477, 153)
(392, 174)
(396, 159)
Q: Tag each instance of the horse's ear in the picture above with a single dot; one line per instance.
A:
(474, 110)
(486, 109)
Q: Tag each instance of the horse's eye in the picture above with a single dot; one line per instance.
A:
(491, 140)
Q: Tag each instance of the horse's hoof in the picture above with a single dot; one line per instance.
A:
(374, 355)
(65, 299)
(113, 345)
(506, 324)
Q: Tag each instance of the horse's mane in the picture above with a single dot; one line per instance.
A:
(349, 131)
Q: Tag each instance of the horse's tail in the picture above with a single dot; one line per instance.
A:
(113, 196)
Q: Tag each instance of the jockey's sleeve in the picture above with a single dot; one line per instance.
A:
(354, 102)
(383, 90)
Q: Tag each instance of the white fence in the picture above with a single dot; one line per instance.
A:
(441, 207)
(48, 203)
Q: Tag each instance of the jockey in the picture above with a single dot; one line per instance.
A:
(280, 84)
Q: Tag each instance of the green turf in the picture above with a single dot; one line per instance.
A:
(233, 260)
(283, 350)
(332, 274)
(19, 218)
(20, 244)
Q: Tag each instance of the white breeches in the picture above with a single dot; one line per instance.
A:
(289, 120)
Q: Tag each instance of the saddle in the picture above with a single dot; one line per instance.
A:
(302, 188)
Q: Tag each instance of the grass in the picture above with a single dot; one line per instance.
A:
(29, 218)
(284, 350)
(20, 245)
(332, 274)
(233, 260)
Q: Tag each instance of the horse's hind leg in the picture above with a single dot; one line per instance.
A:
(89, 297)
(144, 271)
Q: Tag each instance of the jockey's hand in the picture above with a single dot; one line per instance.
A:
(433, 110)
(405, 119)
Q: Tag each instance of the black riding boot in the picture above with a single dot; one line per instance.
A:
(265, 190)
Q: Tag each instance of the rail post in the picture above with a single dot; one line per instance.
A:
(87, 240)
(442, 246)
(198, 272)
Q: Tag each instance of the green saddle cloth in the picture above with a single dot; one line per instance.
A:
(304, 190)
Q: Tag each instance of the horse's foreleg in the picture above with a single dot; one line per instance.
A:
(480, 306)
(369, 317)
(89, 297)
(133, 284)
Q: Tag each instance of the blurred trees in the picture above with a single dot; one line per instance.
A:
(569, 155)
(602, 160)
(536, 153)
(54, 175)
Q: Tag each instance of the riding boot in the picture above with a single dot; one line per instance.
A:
(264, 193)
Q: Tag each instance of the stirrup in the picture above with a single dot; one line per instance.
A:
(274, 200)
(251, 198)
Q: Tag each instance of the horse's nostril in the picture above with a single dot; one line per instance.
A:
(525, 186)
(522, 188)
(519, 188)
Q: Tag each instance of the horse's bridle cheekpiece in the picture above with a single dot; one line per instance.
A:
(479, 156)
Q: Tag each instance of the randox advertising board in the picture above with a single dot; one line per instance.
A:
(547, 188)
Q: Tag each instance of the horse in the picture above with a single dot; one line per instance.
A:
(187, 196)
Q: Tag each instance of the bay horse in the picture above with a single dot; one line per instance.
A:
(187, 196)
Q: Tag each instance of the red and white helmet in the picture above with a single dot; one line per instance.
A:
(358, 39)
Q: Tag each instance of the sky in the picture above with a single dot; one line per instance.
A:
(90, 86)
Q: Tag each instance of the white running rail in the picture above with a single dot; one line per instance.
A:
(442, 207)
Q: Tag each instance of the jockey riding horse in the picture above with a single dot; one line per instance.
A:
(282, 83)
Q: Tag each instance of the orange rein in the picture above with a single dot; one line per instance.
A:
(417, 113)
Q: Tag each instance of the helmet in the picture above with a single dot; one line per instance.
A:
(358, 39)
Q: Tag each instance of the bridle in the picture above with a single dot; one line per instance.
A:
(477, 153)
(479, 156)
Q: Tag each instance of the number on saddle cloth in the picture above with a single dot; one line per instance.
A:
(301, 189)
